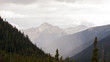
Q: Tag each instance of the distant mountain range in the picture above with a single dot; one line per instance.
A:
(75, 43)
(46, 33)
(36, 32)
(69, 41)
(44, 29)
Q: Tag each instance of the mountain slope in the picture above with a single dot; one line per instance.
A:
(15, 43)
(86, 54)
(43, 34)
(44, 29)
(70, 45)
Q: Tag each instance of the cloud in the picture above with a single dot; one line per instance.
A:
(68, 1)
(15, 25)
(10, 14)
(62, 14)
(17, 1)
(85, 1)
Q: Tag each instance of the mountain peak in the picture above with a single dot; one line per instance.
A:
(46, 24)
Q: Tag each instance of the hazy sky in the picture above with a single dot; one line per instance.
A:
(63, 13)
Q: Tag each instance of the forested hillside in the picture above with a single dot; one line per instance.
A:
(16, 47)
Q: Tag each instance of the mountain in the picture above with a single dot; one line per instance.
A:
(15, 46)
(76, 29)
(45, 33)
(70, 45)
(103, 47)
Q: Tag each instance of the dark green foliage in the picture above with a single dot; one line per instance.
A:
(95, 52)
(74, 60)
(68, 60)
(14, 44)
(12, 40)
(61, 59)
(57, 56)
(49, 58)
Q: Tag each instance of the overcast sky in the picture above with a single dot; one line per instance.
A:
(63, 13)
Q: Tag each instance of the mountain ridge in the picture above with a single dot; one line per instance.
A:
(80, 39)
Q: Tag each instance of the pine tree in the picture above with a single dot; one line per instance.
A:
(67, 59)
(74, 60)
(61, 59)
(95, 52)
(103, 58)
(49, 58)
(0, 59)
(57, 56)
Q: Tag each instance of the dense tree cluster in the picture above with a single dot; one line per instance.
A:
(13, 41)
(14, 44)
